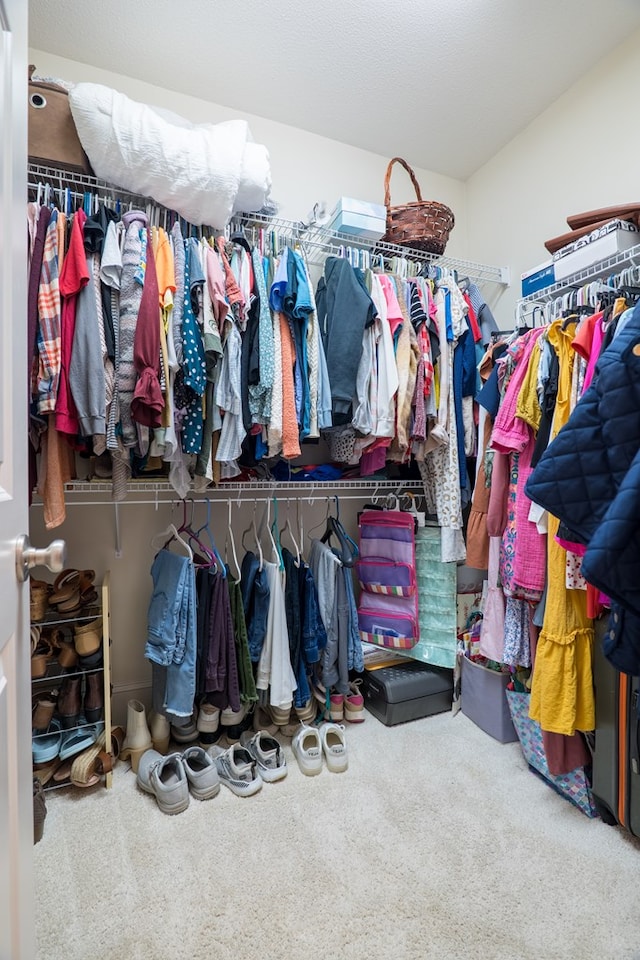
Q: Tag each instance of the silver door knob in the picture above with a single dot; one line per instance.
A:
(53, 557)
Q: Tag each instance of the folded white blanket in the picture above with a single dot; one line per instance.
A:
(205, 172)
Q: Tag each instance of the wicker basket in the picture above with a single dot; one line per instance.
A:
(424, 225)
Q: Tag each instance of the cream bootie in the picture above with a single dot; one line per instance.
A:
(160, 731)
(137, 739)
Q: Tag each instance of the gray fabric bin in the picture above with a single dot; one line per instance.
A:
(484, 701)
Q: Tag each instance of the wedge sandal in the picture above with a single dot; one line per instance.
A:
(87, 637)
(91, 763)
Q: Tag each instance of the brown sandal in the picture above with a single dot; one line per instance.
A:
(117, 739)
(67, 608)
(64, 586)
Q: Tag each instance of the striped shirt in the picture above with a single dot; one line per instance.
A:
(48, 332)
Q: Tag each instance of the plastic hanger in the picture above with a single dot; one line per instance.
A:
(265, 524)
(252, 528)
(288, 529)
(214, 552)
(275, 535)
(173, 535)
(230, 539)
(419, 516)
(186, 528)
(348, 552)
(324, 520)
(300, 522)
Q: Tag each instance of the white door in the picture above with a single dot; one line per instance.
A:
(16, 803)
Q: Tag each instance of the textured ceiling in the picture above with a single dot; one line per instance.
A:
(444, 83)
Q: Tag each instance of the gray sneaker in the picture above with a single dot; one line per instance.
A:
(236, 769)
(202, 773)
(267, 753)
(165, 779)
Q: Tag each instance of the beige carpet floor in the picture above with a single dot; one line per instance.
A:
(436, 843)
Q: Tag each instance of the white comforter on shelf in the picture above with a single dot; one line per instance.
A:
(205, 172)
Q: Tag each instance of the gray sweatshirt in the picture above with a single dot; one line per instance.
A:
(86, 372)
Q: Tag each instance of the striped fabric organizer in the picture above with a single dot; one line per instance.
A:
(388, 608)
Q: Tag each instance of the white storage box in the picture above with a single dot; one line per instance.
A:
(538, 278)
(360, 218)
(603, 242)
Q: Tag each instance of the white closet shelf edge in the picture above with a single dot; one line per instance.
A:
(312, 234)
(163, 492)
(599, 270)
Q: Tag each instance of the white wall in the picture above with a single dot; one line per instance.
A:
(580, 154)
(305, 168)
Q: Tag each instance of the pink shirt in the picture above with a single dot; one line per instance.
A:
(73, 277)
(395, 316)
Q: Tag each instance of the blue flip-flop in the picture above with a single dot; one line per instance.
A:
(45, 746)
(75, 741)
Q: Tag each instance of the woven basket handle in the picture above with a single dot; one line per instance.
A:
(387, 181)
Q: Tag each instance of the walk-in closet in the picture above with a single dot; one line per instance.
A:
(319, 472)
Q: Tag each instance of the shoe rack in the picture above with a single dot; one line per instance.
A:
(68, 681)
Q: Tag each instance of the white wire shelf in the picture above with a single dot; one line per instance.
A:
(608, 269)
(331, 242)
(278, 488)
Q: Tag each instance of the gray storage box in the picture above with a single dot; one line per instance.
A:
(407, 691)
(483, 700)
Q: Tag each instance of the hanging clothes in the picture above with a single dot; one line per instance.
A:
(562, 691)
(274, 672)
(74, 276)
(171, 637)
(344, 310)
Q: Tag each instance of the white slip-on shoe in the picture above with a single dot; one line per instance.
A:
(307, 750)
(334, 747)
(233, 723)
(186, 732)
(166, 779)
(202, 773)
(267, 753)
(236, 769)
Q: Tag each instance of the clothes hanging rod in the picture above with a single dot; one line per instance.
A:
(606, 270)
(323, 237)
(318, 237)
(81, 183)
(270, 487)
(284, 491)
(309, 500)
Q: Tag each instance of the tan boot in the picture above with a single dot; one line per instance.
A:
(138, 738)
(160, 731)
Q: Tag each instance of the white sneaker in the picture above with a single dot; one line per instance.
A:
(307, 750)
(208, 725)
(208, 718)
(267, 753)
(236, 769)
(231, 718)
(334, 746)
